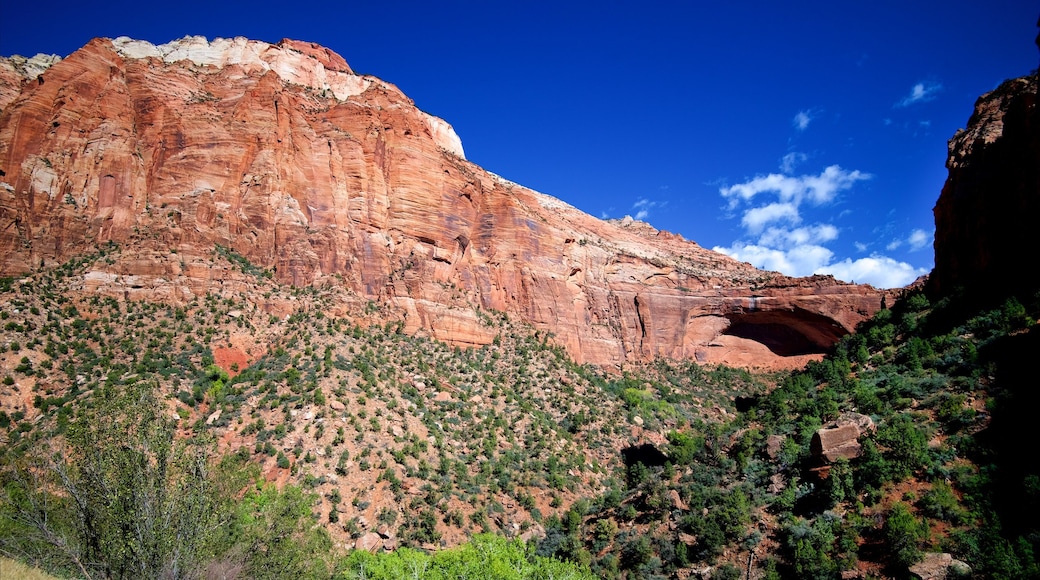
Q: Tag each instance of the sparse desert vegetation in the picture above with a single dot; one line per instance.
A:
(146, 439)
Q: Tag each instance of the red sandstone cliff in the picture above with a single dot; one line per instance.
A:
(987, 212)
(283, 154)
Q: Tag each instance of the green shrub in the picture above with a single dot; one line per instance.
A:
(903, 534)
(940, 503)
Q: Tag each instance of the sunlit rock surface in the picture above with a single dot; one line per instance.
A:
(285, 156)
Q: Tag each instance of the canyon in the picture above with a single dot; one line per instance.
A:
(289, 258)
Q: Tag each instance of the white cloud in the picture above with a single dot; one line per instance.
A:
(756, 218)
(783, 238)
(643, 207)
(770, 210)
(879, 271)
(809, 259)
(824, 187)
(784, 186)
(801, 120)
(791, 160)
(920, 93)
(797, 261)
(919, 239)
(815, 188)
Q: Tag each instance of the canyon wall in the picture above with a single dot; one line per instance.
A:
(281, 154)
(984, 218)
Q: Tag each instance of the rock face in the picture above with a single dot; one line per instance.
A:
(986, 214)
(281, 154)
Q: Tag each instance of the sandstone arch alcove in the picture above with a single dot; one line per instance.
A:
(786, 332)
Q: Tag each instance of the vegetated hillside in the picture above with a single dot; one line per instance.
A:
(229, 424)
(940, 480)
(402, 440)
(380, 440)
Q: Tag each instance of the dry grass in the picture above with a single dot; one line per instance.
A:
(14, 570)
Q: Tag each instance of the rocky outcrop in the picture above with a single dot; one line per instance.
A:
(18, 70)
(284, 156)
(841, 439)
(939, 566)
(985, 216)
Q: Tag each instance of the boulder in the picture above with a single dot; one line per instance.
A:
(939, 566)
(836, 442)
(370, 542)
(676, 501)
(774, 443)
(841, 437)
(534, 532)
(863, 422)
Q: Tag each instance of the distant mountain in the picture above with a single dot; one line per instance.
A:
(281, 154)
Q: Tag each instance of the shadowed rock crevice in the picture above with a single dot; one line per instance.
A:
(786, 333)
(647, 454)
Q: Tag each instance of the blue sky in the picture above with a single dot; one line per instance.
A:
(802, 136)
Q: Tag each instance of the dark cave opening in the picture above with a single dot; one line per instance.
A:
(647, 454)
(787, 332)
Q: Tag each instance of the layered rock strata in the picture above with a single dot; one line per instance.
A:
(281, 154)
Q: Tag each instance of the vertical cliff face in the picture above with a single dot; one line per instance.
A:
(986, 216)
(282, 154)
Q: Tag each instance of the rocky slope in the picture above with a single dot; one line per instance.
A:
(985, 216)
(283, 155)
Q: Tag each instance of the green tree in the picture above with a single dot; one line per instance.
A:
(123, 499)
(683, 448)
(903, 534)
(276, 529)
(941, 503)
(907, 446)
(130, 502)
(839, 485)
(485, 556)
